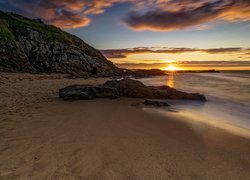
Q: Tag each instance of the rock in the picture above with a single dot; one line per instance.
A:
(86, 92)
(125, 88)
(155, 103)
(130, 88)
(166, 92)
(31, 46)
(133, 88)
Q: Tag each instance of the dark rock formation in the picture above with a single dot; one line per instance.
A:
(126, 88)
(85, 92)
(130, 88)
(155, 103)
(134, 88)
(31, 46)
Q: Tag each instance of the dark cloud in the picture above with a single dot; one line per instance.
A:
(223, 50)
(123, 53)
(164, 20)
(187, 13)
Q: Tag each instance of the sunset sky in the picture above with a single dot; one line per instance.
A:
(192, 34)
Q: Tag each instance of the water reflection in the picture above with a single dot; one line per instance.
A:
(199, 120)
(170, 81)
(228, 97)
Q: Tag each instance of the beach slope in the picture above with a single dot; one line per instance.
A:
(44, 137)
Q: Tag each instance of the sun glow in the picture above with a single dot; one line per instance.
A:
(171, 67)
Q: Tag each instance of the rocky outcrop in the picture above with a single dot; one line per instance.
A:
(31, 46)
(85, 92)
(134, 88)
(125, 88)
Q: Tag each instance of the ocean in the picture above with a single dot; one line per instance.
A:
(228, 99)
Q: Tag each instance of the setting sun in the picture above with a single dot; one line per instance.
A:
(172, 67)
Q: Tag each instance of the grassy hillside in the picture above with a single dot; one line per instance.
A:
(51, 33)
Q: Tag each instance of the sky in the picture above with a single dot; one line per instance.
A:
(191, 34)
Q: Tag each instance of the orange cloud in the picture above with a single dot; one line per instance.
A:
(63, 13)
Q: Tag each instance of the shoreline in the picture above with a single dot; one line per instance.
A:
(197, 123)
(44, 137)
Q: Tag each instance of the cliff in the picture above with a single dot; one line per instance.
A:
(28, 45)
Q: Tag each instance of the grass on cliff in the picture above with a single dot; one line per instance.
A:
(50, 33)
(4, 30)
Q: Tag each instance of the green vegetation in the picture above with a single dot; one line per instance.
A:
(50, 33)
(6, 35)
(4, 31)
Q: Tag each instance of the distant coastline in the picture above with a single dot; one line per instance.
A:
(144, 73)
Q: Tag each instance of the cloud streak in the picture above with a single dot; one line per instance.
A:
(123, 53)
(187, 64)
(156, 15)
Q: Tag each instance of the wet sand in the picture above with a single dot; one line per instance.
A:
(43, 137)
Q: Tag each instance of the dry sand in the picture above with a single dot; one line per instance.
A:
(43, 137)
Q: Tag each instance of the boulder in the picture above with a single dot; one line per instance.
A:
(130, 88)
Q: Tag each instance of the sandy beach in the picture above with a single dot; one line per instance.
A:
(44, 137)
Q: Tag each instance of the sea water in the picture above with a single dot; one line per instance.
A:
(227, 93)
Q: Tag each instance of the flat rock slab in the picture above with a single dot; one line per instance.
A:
(125, 88)
(82, 92)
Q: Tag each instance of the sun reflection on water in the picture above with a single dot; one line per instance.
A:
(170, 80)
